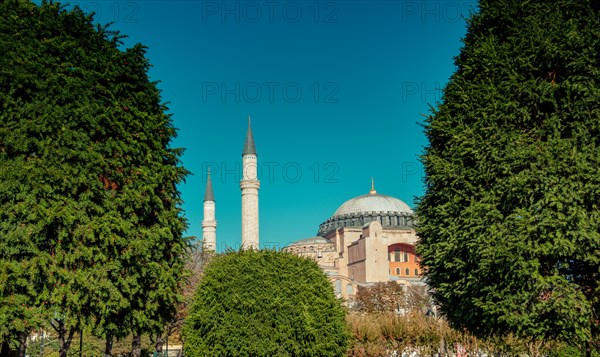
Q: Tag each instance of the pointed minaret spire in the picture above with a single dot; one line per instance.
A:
(249, 185)
(208, 193)
(249, 148)
(209, 223)
(372, 192)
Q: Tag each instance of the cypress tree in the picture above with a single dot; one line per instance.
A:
(90, 219)
(509, 224)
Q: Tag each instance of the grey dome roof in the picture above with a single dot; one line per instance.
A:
(391, 212)
(372, 202)
(312, 240)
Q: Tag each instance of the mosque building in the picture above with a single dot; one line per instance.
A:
(368, 239)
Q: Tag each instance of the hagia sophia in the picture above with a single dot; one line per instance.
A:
(368, 239)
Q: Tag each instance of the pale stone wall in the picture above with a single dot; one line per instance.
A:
(323, 254)
(376, 261)
(366, 258)
(343, 287)
(342, 238)
(356, 261)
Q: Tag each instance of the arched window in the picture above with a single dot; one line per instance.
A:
(349, 289)
(416, 272)
(338, 286)
(397, 271)
(311, 248)
(407, 271)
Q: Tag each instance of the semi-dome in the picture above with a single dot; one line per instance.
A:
(389, 211)
(309, 241)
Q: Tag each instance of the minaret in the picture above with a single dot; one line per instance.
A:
(249, 186)
(209, 224)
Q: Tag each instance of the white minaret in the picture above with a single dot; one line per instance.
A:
(249, 186)
(209, 224)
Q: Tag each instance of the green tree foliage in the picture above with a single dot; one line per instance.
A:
(510, 221)
(90, 224)
(265, 303)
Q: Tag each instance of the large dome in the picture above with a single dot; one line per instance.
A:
(391, 212)
(372, 202)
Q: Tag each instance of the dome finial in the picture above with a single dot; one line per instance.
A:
(372, 192)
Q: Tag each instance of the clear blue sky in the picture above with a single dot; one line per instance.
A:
(336, 91)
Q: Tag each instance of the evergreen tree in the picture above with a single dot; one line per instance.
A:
(265, 303)
(509, 225)
(90, 218)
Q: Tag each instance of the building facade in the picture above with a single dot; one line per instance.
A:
(368, 239)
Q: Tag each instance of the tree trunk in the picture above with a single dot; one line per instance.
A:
(65, 337)
(108, 346)
(136, 345)
(22, 344)
(5, 351)
(158, 345)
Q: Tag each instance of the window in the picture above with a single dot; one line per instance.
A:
(405, 257)
(396, 255)
(416, 272)
(349, 289)
(338, 286)
(397, 271)
(407, 271)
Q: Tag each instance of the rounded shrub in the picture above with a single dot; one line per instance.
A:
(265, 303)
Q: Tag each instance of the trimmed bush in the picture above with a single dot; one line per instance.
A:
(265, 303)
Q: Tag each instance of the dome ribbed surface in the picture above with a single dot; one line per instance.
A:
(372, 203)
